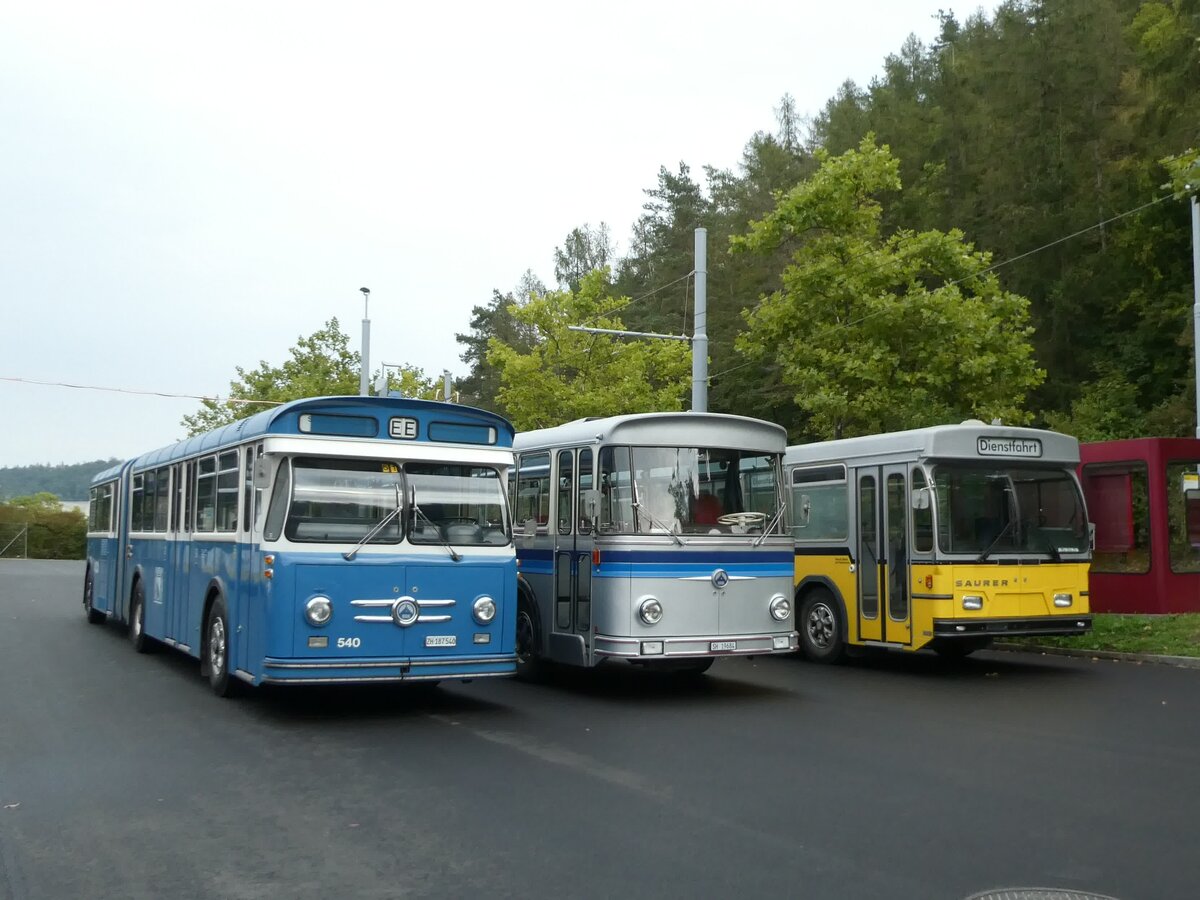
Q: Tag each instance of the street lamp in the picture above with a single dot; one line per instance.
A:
(364, 375)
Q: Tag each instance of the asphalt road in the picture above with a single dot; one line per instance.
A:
(122, 776)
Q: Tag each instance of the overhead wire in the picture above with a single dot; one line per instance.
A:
(117, 390)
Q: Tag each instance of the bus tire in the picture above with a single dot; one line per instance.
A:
(528, 638)
(822, 630)
(216, 649)
(94, 616)
(137, 618)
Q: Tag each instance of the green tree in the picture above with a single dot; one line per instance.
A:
(482, 383)
(568, 375)
(585, 250)
(320, 365)
(875, 333)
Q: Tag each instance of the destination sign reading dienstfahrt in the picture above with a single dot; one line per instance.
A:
(998, 446)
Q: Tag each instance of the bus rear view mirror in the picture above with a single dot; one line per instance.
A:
(589, 504)
(920, 498)
(262, 472)
(804, 510)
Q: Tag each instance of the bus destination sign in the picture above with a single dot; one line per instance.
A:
(1030, 448)
(403, 428)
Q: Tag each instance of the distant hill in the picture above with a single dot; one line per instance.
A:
(66, 482)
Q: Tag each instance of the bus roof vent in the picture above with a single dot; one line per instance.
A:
(975, 422)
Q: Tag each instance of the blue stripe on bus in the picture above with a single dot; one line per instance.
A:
(725, 559)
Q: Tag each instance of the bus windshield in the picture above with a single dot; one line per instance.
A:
(686, 490)
(986, 509)
(341, 500)
(456, 504)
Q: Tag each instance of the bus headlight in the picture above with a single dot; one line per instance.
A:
(1063, 600)
(318, 611)
(781, 608)
(650, 611)
(972, 602)
(484, 609)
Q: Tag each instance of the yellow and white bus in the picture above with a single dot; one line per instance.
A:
(944, 537)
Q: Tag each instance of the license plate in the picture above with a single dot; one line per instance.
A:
(723, 645)
(441, 640)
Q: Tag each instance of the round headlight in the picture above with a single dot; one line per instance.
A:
(651, 611)
(484, 609)
(318, 611)
(781, 608)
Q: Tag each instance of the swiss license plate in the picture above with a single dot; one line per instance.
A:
(723, 645)
(441, 640)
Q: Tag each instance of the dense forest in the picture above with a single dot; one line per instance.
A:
(1018, 133)
(67, 482)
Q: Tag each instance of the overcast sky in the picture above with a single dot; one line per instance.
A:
(186, 188)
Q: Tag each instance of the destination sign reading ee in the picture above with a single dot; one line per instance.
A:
(403, 428)
(1030, 448)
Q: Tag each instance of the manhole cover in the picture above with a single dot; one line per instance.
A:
(1035, 893)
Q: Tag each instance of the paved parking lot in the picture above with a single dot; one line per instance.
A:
(122, 776)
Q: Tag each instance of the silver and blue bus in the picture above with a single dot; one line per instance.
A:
(327, 540)
(655, 538)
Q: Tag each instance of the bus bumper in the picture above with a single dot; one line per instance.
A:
(1037, 625)
(439, 668)
(693, 646)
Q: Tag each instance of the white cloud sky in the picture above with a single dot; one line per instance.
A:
(189, 188)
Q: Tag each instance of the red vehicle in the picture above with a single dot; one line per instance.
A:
(1143, 498)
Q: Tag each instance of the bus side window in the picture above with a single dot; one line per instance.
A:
(820, 503)
(566, 490)
(533, 490)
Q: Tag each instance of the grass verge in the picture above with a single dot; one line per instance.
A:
(1173, 635)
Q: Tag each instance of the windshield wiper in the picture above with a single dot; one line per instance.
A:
(1051, 547)
(454, 554)
(767, 528)
(350, 554)
(992, 546)
(654, 521)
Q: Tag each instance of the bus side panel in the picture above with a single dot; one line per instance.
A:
(832, 564)
(158, 559)
(102, 556)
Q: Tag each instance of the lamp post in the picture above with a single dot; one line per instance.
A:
(364, 375)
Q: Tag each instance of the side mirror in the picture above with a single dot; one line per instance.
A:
(262, 472)
(920, 498)
(804, 510)
(589, 504)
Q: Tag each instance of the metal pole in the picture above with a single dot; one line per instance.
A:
(1196, 304)
(699, 331)
(364, 376)
(446, 385)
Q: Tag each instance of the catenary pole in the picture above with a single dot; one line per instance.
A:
(1196, 303)
(700, 328)
(364, 376)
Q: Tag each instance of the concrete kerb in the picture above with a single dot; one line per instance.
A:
(1182, 662)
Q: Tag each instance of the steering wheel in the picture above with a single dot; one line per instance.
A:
(744, 519)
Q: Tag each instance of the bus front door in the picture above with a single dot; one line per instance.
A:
(573, 542)
(898, 621)
(883, 599)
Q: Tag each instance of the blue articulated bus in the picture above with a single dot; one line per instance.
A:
(327, 540)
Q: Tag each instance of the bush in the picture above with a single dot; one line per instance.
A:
(54, 533)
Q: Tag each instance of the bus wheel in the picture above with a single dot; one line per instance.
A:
(821, 630)
(94, 616)
(216, 649)
(528, 664)
(137, 619)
